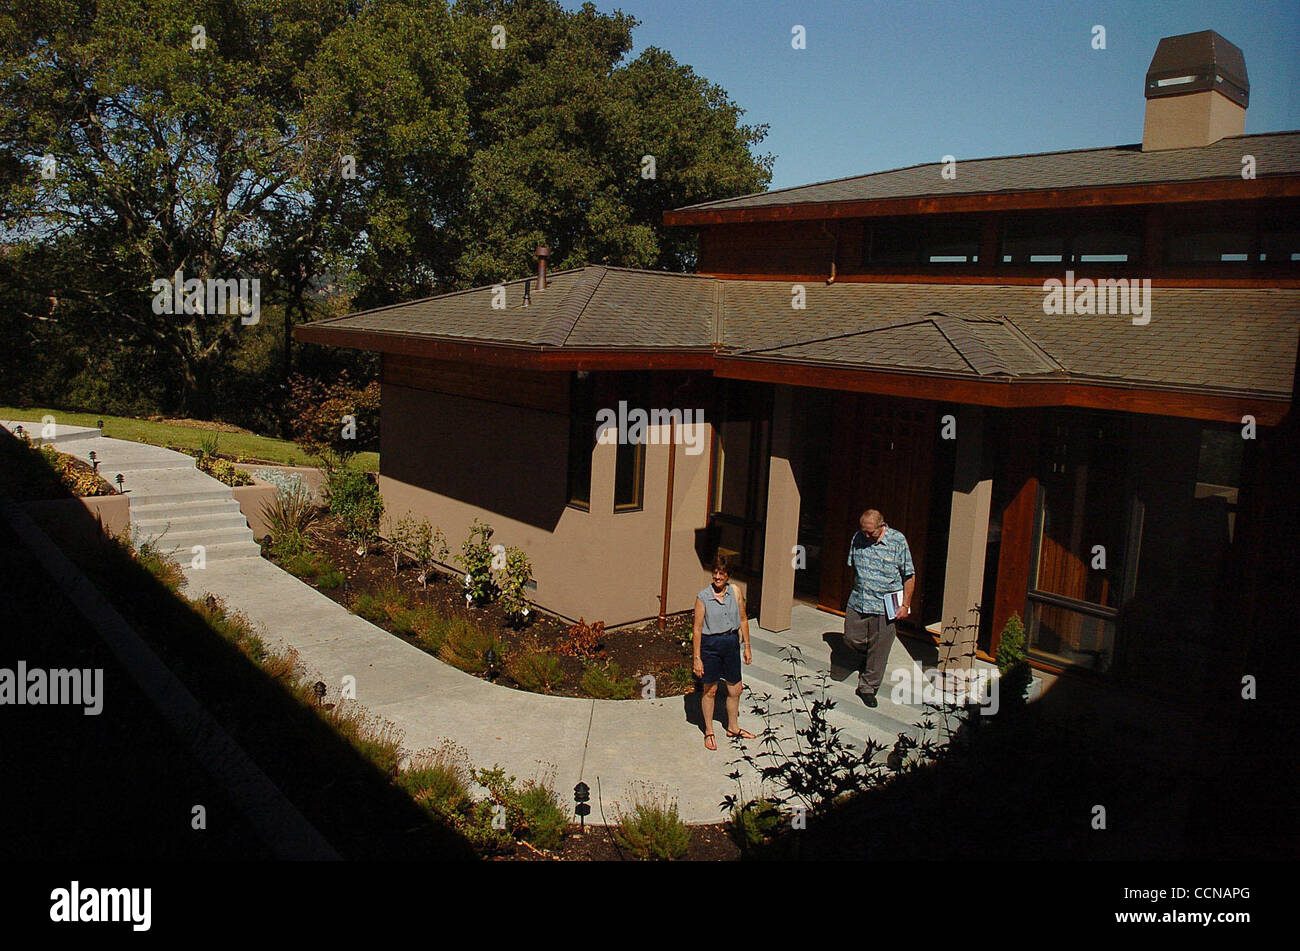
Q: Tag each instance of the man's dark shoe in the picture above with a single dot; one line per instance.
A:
(868, 698)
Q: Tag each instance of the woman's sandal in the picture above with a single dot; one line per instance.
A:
(741, 735)
(709, 744)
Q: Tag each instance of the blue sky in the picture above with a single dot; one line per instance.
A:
(887, 84)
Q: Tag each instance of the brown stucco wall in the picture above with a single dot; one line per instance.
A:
(75, 523)
(452, 458)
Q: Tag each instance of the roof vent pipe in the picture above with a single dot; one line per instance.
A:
(543, 252)
(527, 296)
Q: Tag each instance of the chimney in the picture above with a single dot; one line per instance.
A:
(1197, 92)
(543, 252)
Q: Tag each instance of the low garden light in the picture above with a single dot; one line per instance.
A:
(318, 688)
(99, 423)
(94, 462)
(581, 798)
(120, 480)
(490, 658)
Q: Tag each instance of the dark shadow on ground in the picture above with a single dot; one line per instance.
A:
(102, 789)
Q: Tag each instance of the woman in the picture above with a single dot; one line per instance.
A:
(720, 628)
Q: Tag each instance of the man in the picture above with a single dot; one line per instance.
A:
(882, 563)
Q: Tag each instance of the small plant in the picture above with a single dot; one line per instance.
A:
(512, 583)
(754, 823)
(603, 682)
(377, 739)
(583, 639)
(681, 678)
(535, 670)
(291, 516)
(816, 767)
(163, 567)
(475, 559)
(1013, 662)
(401, 539)
(652, 828)
(428, 549)
(465, 646)
(209, 445)
(438, 779)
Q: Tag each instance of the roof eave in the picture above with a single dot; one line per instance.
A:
(1225, 189)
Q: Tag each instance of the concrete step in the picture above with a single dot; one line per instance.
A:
(221, 552)
(62, 433)
(189, 537)
(154, 511)
(212, 491)
(213, 521)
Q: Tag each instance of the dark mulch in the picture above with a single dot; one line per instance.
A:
(637, 649)
(709, 843)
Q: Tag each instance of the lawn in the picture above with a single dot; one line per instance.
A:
(242, 446)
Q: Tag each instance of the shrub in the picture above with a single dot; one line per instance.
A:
(604, 683)
(428, 549)
(163, 567)
(1013, 662)
(383, 606)
(291, 515)
(545, 818)
(652, 829)
(513, 583)
(475, 559)
(401, 539)
(465, 644)
(329, 579)
(583, 639)
(223, 471)
(533, 813)
(375, 738)
(438, 779)
(317, 409)
(754, 823)
(354, 497)
(535, 670)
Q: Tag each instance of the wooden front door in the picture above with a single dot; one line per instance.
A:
(881, 458)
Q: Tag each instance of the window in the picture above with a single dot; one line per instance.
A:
(1233, 235)
(1084, 520)
(1075, 238)
(913, 242)
(629, 477)
(582, 439)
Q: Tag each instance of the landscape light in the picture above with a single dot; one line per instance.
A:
(581, 796)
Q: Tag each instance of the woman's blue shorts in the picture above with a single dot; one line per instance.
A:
(721, 656)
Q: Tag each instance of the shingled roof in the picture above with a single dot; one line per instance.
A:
(1276, 153)
(1222, 340)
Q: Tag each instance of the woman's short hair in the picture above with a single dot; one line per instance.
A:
(720, 563)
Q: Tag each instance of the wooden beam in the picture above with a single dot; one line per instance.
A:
(1230, 276)
(1231, 189)
(1010, 393)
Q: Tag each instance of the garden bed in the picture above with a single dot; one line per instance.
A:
(533, 657)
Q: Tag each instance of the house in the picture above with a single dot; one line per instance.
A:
(1054, 373)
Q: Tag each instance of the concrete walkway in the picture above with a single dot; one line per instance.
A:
(611, 745)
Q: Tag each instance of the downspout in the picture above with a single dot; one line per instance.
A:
(835, 248)
(662, 621)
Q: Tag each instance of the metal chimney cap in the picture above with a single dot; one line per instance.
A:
(1195, 62)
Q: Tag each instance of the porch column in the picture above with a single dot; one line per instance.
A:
(968, 534)
(781, 522)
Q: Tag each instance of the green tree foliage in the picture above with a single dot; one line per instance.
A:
(382, 148)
